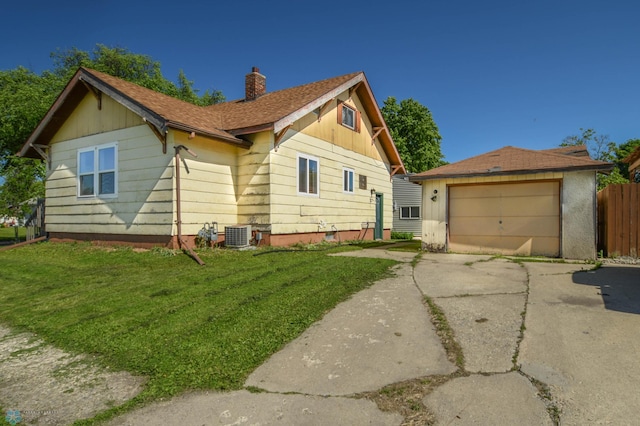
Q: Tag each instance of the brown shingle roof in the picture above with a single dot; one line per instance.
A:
(274, 106)
(510, 160)
(175, 112)
(226, 121)
(575, 150)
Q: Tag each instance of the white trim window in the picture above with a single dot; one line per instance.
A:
(410, 212)
(98, 171)
(308, 175)
(347, 180)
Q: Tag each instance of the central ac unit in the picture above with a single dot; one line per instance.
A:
(237, 236)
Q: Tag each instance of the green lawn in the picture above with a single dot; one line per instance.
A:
(9, 234)
(163, 316)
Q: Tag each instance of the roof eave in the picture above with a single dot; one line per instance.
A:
(149, 115)
(27, 149)
(230, 140)
(374, 113)
(84, 76)
(601, 168)
(316, 103)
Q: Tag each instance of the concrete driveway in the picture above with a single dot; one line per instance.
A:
(542, 344)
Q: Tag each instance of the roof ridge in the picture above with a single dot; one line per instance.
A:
(588, 160)
(510, 160)
(279, 91)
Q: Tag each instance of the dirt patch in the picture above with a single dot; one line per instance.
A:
(49, 386)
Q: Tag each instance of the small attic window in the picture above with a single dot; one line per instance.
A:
(349, 117)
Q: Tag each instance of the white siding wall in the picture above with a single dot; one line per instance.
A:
(144, 205)
(406, 194)
(294, 213)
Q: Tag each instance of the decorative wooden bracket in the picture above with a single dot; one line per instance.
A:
(323, 108)
(394, 170)
(377, 131)
(42, 152)
(354, 88)
(279, 136)
(95, 92)
(159, 135)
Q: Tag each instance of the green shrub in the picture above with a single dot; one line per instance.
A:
(396, 235)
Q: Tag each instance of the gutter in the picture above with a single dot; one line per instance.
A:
(487, 173)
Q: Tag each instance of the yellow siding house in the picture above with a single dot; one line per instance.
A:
(130, 165)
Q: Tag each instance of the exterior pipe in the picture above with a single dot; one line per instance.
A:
(183, 244)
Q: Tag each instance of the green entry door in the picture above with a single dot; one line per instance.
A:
(378, 231)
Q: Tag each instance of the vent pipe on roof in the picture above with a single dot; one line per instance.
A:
(255, 85)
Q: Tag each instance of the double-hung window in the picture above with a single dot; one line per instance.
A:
(347, 180)
(308, 175)
(412, 212)
(98, 171)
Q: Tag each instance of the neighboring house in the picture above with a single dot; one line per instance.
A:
(513, 201)
(309, 163)
(407, 204)
(633, 160)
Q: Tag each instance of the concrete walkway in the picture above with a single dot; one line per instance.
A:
(542, 344)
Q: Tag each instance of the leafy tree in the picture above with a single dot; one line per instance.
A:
(621, 152)
(15, 190)
(601, 148)
(415, 134)
(25, 98)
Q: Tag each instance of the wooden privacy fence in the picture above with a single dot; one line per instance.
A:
(35, 221)
(618, 220)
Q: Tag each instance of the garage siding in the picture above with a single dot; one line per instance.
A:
(516, 218)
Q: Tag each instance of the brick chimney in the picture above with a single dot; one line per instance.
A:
(255, 85)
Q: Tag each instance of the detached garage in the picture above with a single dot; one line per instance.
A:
(513, 201)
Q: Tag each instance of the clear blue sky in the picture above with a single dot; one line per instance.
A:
(492, 73)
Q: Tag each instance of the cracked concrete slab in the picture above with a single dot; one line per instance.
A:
(583, 340)
(487, 328)
(441, 276)
(242, 407)
(380, 336)
(500, 399)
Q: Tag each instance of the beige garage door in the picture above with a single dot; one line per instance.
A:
(517, 218)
